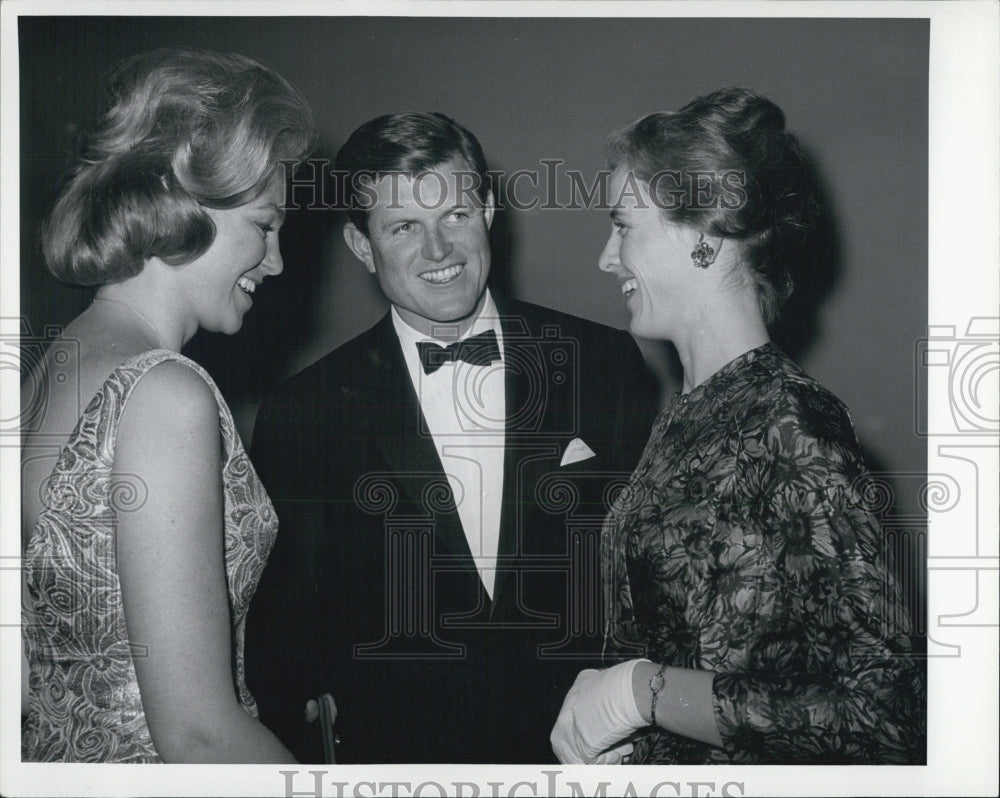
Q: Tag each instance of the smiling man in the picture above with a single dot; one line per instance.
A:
(440, 482)
(426, 241)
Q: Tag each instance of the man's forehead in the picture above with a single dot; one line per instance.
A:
(448, 183)
(449, 171)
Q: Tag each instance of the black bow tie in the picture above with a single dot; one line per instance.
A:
(479, 350)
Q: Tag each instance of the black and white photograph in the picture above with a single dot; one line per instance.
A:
(499, 399)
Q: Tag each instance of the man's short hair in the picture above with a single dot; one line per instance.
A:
(406, 143)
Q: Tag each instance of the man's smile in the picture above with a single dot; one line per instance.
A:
(442, 276)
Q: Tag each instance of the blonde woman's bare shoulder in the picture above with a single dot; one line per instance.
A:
(171, 399)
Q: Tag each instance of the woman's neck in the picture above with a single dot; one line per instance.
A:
(148, 310)
(720, 332)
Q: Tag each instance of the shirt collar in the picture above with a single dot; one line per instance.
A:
(488, 318)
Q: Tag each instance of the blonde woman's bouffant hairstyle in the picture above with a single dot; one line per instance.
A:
(186, 130)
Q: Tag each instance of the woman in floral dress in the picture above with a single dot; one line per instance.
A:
(741, 560)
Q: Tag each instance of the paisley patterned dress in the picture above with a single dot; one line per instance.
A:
(743, 545)
(85, 702)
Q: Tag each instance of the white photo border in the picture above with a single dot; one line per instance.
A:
(964, 305)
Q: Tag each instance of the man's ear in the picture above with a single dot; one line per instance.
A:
(360, 246)
(488, 209)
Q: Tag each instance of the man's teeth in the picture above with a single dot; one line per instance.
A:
(443, 275)
(629, 287)
(247, 285)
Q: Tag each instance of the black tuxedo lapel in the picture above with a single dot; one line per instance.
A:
(537, 411)
(401, 436)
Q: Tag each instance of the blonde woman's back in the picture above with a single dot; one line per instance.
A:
(55, 393)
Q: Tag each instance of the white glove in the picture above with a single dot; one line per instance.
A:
(599, 711)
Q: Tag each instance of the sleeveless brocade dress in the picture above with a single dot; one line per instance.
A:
(85, 702)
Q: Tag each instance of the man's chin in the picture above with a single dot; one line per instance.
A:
(452, 315)
(458, 311)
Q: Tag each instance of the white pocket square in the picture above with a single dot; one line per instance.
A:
(576, 451)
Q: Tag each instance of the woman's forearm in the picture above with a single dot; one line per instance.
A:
(236, 738)
(684, 703)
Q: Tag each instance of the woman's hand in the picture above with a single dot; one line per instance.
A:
(599, 712)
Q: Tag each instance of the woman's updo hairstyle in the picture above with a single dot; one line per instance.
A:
(724, 165)
(186, 130)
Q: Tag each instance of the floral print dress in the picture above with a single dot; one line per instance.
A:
(85, 704)
(743, 546)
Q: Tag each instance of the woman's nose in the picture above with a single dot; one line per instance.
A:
(609, 256)
(273, 263)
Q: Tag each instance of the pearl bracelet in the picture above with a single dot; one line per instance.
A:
(656, 685)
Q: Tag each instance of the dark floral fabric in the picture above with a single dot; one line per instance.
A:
(743, 546)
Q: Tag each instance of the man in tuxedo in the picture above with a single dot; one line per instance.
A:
(440, 482)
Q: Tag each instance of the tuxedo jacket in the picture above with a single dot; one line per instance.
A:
(371, 593)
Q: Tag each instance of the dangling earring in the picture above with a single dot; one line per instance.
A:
(703, 255)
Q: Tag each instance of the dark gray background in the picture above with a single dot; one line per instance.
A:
(854, 91)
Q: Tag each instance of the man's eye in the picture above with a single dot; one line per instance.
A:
(265, 229)
(459, 216)
(406, 227)
(619, 228)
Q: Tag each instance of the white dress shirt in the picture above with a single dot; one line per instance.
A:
(465, 409)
